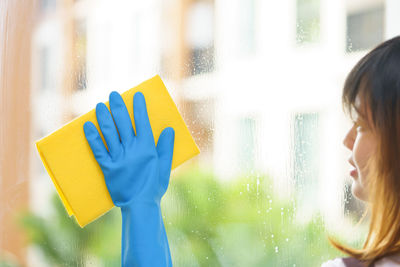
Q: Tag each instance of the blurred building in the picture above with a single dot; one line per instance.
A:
(266, 89)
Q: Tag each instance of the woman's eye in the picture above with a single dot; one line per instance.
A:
(357, 126)
(360, 127)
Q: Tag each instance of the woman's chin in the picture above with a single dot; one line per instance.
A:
(358, 191)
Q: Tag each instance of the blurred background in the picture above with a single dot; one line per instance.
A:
(257, 82)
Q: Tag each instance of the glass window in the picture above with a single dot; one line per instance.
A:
(306, 156)
(80, 57)
(200, 36)
(45, 69)
(365, 28)
(246, 143)
(47, 5)
(271, 180)
(307, 21)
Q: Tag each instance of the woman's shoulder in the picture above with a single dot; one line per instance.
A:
(338, 262)
(343, 262)
(389, 261)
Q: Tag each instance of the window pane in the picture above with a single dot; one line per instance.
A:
(272, 179)
(365, 28)
(308, 21)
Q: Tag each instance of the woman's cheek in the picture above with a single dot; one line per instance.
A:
(363, 149)
(361, 153)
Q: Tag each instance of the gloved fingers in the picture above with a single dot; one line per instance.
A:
(142, 123)
(107, 127)
(121, 118)
(95, 142)
(165, 149)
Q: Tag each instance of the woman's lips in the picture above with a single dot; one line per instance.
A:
(353, 173)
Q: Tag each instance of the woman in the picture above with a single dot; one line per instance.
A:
(137, 172)
(371, 96)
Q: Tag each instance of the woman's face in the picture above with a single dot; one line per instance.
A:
(361, 141)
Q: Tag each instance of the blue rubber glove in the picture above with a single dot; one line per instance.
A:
(137, 174)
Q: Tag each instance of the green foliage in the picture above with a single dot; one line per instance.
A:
(209, 223)
(64, 243)
(238, 223)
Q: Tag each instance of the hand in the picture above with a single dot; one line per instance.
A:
(135, 170)
(137, 174)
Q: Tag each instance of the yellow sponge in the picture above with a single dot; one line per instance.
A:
(75, 172)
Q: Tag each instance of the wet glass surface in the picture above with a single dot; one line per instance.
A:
(258, 83)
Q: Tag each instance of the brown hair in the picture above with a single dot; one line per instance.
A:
(375, 79)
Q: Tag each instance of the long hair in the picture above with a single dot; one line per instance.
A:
(376, 80)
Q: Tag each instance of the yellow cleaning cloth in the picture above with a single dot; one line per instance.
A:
(70, 162)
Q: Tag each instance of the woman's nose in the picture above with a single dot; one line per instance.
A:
(348, 140)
